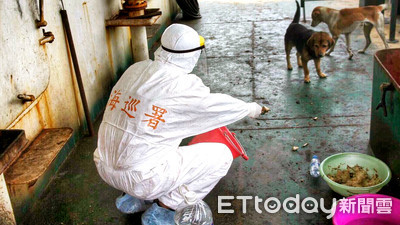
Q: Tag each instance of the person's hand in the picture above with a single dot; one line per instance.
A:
(264, 110)
(254, 110)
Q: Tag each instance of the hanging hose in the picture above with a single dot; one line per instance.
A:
(71, 46)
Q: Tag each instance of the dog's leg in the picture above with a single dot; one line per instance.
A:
(288, 48)
(367, 31)
(381, 33)
(318, 67)
(299, 63)
(335, 37)
(348, 48)
(306, 71)
(381, 30)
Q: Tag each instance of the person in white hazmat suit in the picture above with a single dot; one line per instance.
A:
(153, 106)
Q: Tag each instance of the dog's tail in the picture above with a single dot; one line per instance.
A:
(383, 7)
(297, 15)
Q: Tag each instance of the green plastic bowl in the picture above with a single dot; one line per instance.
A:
(374, 165)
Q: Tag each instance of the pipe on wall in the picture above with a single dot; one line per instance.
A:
(139, 43)
(71, 46)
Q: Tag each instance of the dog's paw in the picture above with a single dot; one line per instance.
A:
(361, 52)
(290, 68)
(322, 75)
(328, 54)
(307, 80)
(351, 56)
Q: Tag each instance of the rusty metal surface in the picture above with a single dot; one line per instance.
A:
(123, 19)
(38, 156)
(135, 4)
(41, 22)
(26, 98)
(12, 143)
(48, 37)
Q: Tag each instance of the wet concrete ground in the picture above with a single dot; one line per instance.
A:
(246, 59)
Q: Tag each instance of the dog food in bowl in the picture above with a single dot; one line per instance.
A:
(355, 176)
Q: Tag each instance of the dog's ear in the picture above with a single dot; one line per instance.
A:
(310, 41)
(316, 12)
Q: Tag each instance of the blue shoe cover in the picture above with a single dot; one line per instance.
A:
(157, 215)
(128, 204)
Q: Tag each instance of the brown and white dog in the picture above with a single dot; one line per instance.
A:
(310, 45)
(345, 21)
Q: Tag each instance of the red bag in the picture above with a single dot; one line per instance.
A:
(224, 136)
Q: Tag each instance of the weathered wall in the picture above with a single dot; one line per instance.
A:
(24, 63)
(47, 72)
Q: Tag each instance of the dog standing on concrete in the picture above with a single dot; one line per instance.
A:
(309, 45)
(347, 20)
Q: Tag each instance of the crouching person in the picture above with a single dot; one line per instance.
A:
(155, 105)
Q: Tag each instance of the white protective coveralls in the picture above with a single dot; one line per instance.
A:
(154, 105)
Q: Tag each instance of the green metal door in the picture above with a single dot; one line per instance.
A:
(385, 129)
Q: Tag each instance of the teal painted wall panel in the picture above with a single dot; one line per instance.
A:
(385, 131)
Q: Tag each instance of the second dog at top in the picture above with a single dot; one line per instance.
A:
(345, 21)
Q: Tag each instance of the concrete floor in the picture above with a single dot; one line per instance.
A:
(246, 59)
